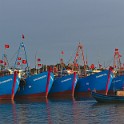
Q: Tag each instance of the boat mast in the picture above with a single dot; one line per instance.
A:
(117, 61)
(62, 61)
(22, 47)
(80, 49)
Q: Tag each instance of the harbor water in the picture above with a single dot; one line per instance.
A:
(60, 111)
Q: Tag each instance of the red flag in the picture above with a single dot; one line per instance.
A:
(38, 59)
(18, 63)
(77, 54)
(23, 36)
(62, 52)
(61, 59)
(92, 66)
(39, 65)
(76, 65)
(19, 58)
(6, 45)
(1, 61)
(24, 61)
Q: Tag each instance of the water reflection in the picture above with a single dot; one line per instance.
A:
(8, 111)
(25, 111)
(34, 111)
(54, 111)
(108, 113)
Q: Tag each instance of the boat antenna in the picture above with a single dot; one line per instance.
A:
(80, 49)
(22, 46)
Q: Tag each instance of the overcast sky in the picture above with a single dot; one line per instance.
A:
(50, 26)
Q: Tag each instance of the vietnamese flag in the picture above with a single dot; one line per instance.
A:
(23, 36)
(6, 45)
(92, 66)
(18, 63)
(62, 52)
(39, 65)
(61, 60)
(24, 61)
(19, 58)
(77, 54)
(1, 61)
(38, 59)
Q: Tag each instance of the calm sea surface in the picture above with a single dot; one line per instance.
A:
(85, 111)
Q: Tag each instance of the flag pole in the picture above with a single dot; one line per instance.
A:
(4, 55)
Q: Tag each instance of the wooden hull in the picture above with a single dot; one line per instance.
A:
(106, 98)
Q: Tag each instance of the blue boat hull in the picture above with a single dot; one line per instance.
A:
(36, 86)
(106, 98)
(64, 86)
(95, 82)
(8, 88)
(117, 84)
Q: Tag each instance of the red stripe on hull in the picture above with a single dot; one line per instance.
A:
(32, 96)
(14, 84)
(87, 94)
(6, 97)
(73, 84)
(65, 94)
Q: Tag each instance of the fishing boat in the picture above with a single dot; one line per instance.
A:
(118, 81)
(95, 82)
(64, 87)
(8, 86)
(64, 83)
(9, 79)
(118, 93)
(35, 85)
(117, 84)
(107, 98)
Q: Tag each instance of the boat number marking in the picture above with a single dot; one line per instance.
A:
(2, 82)
(101, 75)
(116, 81)
(66, 80)
(39, 78)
